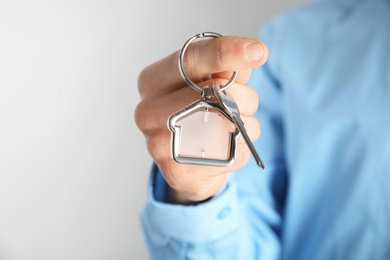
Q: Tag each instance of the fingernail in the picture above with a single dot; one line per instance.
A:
(254, 51)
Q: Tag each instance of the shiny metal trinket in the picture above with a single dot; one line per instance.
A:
(206, 131)
(203, 134)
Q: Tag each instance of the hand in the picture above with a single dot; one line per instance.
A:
(164, 92)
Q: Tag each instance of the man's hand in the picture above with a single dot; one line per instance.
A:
(164, 92)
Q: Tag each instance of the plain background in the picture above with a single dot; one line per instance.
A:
(73, 165)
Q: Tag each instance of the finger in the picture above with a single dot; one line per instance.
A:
(178, 174)
(243, 76)
(202, 58)
(196, 181)
(153, 112)
(246, 98)
(252, 127)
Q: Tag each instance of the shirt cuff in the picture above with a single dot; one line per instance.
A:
(199, 223)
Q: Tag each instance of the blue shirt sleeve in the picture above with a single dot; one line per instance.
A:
(215, 229)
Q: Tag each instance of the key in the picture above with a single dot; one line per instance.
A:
(228, 103)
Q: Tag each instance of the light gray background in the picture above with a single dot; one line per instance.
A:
(73, 166)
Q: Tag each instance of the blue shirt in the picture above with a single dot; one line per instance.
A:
(325, 117)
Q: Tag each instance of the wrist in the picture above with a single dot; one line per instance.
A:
(176, 197)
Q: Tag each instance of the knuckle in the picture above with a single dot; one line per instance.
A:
(256, 129)
(142, 80)
(220, 53)
(206, 56)
(190, 59)
(255, 102)
(169, 168)
(252, 125)
(243, 155)
(148, 117)
(140, 113)
(175, 183)
(157, 144)
(227, 51)
(251, 100)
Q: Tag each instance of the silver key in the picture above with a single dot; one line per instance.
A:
(228, 103)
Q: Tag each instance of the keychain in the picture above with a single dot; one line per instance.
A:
(206, 131)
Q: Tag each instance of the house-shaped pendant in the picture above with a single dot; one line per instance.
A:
(203, 134)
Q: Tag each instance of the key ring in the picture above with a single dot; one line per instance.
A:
(181, 62)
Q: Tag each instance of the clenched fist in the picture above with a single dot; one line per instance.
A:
(164, 92)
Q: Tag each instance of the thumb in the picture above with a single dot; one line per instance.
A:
(202, 58)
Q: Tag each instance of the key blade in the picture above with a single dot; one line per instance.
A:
(241, 128)
(228, 103)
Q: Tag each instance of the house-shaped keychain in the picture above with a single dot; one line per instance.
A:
(203, 134)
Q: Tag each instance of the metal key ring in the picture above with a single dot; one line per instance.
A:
(181, 62)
